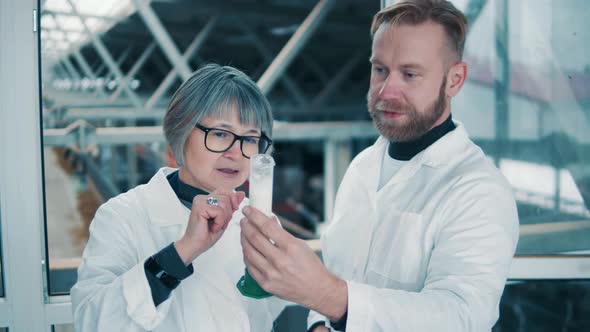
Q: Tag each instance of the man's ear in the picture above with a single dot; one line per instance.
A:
(456, 77)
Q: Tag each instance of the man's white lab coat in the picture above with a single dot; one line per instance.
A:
(431, 250)
(113, 294)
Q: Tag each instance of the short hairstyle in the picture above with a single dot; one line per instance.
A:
(414, 12)
(213, 91)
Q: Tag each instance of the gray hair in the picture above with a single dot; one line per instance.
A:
(213, 91)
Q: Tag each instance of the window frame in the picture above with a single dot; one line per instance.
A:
(26, 306)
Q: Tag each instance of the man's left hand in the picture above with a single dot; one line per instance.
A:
(286, 267)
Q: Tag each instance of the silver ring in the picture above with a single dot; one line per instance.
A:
(212, 200)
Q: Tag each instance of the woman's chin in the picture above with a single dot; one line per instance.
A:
(228, 185)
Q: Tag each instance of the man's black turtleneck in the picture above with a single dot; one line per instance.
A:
(407, 150)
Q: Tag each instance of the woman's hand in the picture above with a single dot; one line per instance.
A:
(207, 223)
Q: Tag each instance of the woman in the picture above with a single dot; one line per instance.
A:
(166, 256)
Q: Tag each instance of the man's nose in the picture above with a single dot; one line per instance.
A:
(391, 88)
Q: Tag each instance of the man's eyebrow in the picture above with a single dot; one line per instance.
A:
(413, 66)
(374, 61)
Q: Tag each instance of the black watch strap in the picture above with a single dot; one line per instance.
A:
(164, 272)
(152, 266)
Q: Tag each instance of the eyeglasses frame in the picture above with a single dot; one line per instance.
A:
(237, 137)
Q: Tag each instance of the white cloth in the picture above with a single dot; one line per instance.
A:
(432, 249)
(113, 294)
(389, 167)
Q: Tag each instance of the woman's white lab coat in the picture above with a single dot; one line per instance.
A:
(113, 294)
(431, 250)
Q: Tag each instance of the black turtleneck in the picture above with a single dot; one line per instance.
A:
(168, 258)
(185, 192)
(407, 150)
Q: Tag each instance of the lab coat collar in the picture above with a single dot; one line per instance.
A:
(440, 153)
(447, 148)
(161, 203)
(372, 165)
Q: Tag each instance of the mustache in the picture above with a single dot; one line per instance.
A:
(388, 105)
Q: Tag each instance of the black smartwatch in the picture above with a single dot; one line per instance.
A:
(152, 266)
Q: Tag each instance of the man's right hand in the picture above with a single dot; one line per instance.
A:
(321, 328)
(207, 223)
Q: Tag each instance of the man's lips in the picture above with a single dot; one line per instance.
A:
(391, 114)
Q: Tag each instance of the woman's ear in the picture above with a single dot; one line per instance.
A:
(171, 160)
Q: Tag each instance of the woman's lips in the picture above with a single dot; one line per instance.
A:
(228, 172)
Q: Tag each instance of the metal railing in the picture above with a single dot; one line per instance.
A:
(336, 138)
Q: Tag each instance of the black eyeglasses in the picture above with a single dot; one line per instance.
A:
(220, 140)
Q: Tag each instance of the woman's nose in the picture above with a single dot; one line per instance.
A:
(234, 150)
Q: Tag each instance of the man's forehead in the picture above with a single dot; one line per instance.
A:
(421, 40)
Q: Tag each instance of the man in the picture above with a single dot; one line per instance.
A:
(424, 226)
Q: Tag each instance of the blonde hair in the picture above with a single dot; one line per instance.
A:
(414, 12)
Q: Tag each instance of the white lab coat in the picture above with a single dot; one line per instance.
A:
(431, 250)
(113, 294)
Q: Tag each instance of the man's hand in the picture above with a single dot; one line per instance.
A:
(321, 328)
(286, 267)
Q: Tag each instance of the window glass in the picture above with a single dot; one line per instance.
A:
(71, 74)
(545, 306)
(526, 103)
(83, 94)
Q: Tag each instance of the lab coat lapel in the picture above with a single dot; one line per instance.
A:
(163, 206)
(212, 286)
(364, 187)
(370, 167)
(209, 288)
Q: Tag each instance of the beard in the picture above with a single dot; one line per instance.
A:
(413, 123)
